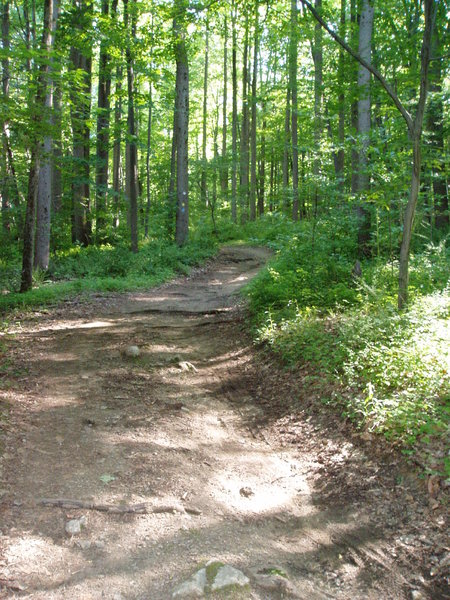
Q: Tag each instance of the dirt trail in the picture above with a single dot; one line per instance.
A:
(201, 430)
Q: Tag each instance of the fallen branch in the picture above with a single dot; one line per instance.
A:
(142, 508)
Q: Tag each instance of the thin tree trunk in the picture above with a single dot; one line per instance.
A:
(293, 55)
(435, 126)
(182, 123)
(203, 180)
(234, 118)
(224, 170)
(116, 184)
(171, 194)
(5, 183)
(354, 106)
(103, 119)
(254, 159)
(364, 126)
(318, 83)
(33, 177)
(340, 163)
(131, 144)
(287, 150)
(244, 158)
(147, 160)
(57, 189)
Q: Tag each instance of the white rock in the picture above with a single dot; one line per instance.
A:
(193, 587)
(74, 525)
(132, 351)
(226, 576)
(417, 595)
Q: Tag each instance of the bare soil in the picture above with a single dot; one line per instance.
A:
(202, 447)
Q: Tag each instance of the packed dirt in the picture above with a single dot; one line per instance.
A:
(201, 447)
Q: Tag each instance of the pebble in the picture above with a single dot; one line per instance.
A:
(132, 351)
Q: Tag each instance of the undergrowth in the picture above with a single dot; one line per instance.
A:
(391, 369)
(101, 269)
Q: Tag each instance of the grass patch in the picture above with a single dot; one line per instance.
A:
(102, 269)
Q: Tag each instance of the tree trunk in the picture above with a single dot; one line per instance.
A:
(416, 135)
(287, 150)
(117, 188)
(224, 170)
(147, 161)
(234, 118)
(57, 188)
(364, 124)
(435, 126)
(5, 175)
(318, 83)
(33, 177)
(340, 161)
(80, 108)
(131, 176)
(354, 106)
(254, 159)
(45, 191)
(293, 56)
(103, 118)
(245, 155)
(203, 180)
(182, 123)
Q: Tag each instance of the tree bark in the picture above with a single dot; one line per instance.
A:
(103, 119)
(116, 183)
(224, 170)
(182, 123)
(254, 159)
(234, 118)
(318, 83)
(203, 180)
(293, 58)
(287, 149)
(147, 160)
(80, 108)
(340, 160)
(45, 190)
(245, 154)
(36, 141)
(131, 176)
(364, 126)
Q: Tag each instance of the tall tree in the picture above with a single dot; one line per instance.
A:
(182, 121)
(80, 108)
(224, 170)
(245, 154)
(318, 83)
(131, 164)
(35, 133)
(45, 190)
(203, 181)
(234, 123)
(103, 118)
(414, 124)
(293, 59)
(364, 124)
(253, 157)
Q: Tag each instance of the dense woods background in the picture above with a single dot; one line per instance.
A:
(138, 134)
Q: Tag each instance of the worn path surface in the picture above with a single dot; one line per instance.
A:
(222, 449)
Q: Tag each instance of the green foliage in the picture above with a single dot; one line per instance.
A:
(106, 269)
(391, 368)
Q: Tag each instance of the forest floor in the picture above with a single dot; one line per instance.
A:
(202, 447)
